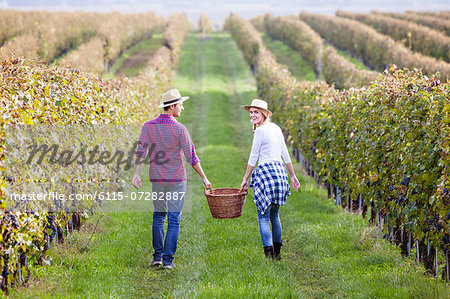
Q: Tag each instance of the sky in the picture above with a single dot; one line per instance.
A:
(218, 10)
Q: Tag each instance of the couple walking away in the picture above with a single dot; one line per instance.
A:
(167, 139)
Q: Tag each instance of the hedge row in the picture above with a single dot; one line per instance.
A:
(14, 23)
(246, 36)
(55, 32)
(259, 23)
(377, 50)
(35, 93)
(204, 24)
(51, 34)
(333, 67)
(120, 31)
(416, 37)
(437, 23)
(142, 93)
(298, 35)
(115, 34)
(343, 73)
(440, 14)
(95, 62)
(388, 143)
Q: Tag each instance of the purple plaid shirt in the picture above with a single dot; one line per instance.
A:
(165, 140)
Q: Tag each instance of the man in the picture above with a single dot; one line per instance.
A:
(165, 140)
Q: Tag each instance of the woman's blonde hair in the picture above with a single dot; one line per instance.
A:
(266, 119)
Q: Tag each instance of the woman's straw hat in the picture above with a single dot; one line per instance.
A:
(171, 97)
(260, 104)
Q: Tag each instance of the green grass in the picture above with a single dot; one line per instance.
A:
(222, 258)
(335, 254)
(298, 67)
(327, 253)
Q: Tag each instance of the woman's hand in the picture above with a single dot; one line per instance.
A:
(295, 183)
(207, 183)
(244, 185)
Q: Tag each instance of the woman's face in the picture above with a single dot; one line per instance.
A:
(256, 116)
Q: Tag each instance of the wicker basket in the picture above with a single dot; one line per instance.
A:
(225, 203)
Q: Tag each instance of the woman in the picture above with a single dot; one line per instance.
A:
(269, 180)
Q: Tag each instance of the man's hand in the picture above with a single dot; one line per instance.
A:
(137, 181)
(207, 183)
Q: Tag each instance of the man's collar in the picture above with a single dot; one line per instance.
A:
(167, 116)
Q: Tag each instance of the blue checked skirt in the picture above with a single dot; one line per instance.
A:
(270, 185)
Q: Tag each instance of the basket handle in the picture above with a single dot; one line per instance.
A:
(204, 188)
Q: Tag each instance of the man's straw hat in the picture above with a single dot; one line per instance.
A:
(171, 97)
(260, 104)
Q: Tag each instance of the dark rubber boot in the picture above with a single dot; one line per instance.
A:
(268, 251)
(276, 250)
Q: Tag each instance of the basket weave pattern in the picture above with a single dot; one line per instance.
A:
(225, 203)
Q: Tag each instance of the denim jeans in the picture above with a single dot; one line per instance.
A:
(270, 216)
(167, 205)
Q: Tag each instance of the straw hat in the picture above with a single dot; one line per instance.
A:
(260, 104)
(171, 97)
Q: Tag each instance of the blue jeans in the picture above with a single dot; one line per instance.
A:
(167, 205)
(270, 215)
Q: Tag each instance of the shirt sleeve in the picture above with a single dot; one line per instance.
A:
(144, 142)
(188, 147)
(256, 147)
(284, 150)
(285, 153)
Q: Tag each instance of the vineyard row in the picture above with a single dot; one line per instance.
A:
(386, 144)
(416, 37)
(49, 35)
(36, 93)
(323, 58)
(378, 51)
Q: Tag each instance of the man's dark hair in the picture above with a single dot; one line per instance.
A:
(167, 107)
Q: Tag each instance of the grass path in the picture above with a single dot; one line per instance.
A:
(222, 257)
(298, 67)
(327, 253)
